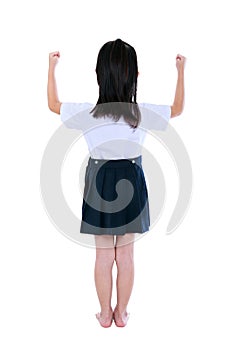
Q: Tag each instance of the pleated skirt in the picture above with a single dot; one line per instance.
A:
(115, 197)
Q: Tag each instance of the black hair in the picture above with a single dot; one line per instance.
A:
(117, 72)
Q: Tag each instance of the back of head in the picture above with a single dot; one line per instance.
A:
(117, 72)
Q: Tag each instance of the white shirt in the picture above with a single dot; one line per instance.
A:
(108, 139)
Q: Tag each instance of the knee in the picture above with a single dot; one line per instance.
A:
(124, 256)
(105, 257)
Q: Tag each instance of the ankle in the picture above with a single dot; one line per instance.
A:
(120, 310)
(106, 311)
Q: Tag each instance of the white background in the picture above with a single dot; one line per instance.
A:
(182, 297)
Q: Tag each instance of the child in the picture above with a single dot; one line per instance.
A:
(114, 160)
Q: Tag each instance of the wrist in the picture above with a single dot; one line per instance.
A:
(180, 71)
(52, 68)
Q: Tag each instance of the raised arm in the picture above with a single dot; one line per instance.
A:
(53, 100)
(178, 104)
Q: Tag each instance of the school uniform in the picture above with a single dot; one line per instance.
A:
(115, 197)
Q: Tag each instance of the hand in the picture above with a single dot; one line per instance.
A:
(180, 62)
(54, 58)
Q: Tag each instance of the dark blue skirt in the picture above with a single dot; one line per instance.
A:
(115, 198)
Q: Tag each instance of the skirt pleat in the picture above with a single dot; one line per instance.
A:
(106, 211)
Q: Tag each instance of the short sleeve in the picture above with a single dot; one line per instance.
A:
(69, 113)
(155, 116)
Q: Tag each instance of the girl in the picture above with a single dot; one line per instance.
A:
(117, 117)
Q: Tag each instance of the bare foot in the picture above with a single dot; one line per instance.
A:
(105, 320)
(120, 319)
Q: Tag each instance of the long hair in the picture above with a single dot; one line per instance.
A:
(117, 72)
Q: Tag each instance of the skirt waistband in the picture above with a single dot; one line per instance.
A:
(112, 163)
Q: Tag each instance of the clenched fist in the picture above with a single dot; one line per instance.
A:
(54, 58)
(180, 62)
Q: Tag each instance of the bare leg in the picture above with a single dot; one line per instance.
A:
(125, 277)
(105, 256)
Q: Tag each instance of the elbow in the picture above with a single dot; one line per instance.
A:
(54, 106)
(50, 106)
(176, 110)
